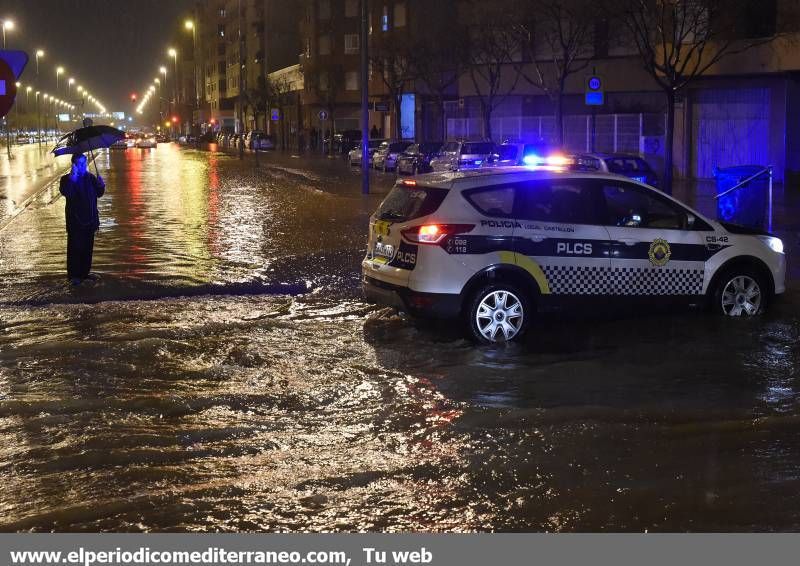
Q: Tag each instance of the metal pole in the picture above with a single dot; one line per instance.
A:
(241, 83)
(364, 98)
(769, 217)
(38, 122)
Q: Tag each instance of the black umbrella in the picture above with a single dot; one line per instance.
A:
(87, 139)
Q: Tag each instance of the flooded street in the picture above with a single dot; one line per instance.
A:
(224, 374)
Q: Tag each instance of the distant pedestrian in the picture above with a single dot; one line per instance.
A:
(81, 190)
(374, 132)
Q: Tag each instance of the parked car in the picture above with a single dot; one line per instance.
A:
(461, 155)
(385, 158)
(343, 141)
(262, 142)
(354, 156)
(23, 139)
(417, 158)
(120, 144)
(162, 138)
(494, 247)
(631, 166)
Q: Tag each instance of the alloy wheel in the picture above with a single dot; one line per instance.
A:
(741, 297)
(499, 316)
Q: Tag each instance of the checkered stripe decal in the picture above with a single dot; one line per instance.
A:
(577, 280)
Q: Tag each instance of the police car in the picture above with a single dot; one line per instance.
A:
(494, 246)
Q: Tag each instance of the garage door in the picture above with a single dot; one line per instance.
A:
(729, 127)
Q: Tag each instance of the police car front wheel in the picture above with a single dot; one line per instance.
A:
(498, 313)
(739, 293)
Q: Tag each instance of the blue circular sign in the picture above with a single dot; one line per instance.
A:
(595, 83)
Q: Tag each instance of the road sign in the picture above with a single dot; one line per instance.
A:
(275, 114)
(381, 107)
(8, 88)
(16, 60)
(594, 95)
(323, 115)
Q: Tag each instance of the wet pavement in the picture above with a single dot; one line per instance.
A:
(225, 375)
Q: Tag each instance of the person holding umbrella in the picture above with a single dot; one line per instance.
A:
(81, 190)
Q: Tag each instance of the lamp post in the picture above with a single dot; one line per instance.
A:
(59, 71)
(7, 25)
(39, 53)
(189, 24)
(70, 82)
(38, 122)
(163, 71)
(172, 52)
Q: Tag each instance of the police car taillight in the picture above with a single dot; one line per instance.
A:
(434, 233)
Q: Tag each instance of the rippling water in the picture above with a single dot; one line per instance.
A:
(310, 410)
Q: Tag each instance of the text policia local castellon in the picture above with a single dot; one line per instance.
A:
(214, 555)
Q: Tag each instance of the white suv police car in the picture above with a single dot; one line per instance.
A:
(494, 246)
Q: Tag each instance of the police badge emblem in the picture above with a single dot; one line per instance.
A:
(659, 253)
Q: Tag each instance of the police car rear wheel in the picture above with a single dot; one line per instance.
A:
(740, 293)
(498, 314)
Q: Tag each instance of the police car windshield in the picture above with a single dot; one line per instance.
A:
(406, 202)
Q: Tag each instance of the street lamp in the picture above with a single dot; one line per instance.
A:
(70, 82)
(189, 25)
(59, 71)
(7, 25)
(172, 52)
(39, 53)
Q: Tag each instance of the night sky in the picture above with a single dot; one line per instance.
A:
(111, 47)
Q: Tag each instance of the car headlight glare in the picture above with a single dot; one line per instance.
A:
(775, 244)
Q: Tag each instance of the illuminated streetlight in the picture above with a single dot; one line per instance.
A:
(70, 82)
(59, 71)
(7, 25)
(39, 53)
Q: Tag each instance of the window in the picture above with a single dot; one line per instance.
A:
(385, 19)
(631, 207)
(324, 10)
(492, 201)
(323, 81)
(405, 202)
(351, 80)
(221, 49)
(350, 8)
(399, 15)
(221, 67)
(324, 45)
(351, 43)
(567, 201)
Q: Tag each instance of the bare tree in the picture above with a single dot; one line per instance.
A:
(491, 52)
(679, 41)
(391, 59)
(439, 69)
(556, 39)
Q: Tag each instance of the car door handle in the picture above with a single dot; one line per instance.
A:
(713, 247)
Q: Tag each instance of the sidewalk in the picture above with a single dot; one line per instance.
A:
(22, 177)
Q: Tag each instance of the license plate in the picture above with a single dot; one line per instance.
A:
(384, 250)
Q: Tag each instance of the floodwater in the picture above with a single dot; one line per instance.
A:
(225, 375)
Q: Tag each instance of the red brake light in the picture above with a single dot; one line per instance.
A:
(434, 233)
(409, 182)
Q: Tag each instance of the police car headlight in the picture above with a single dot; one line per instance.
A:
(775, 244)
